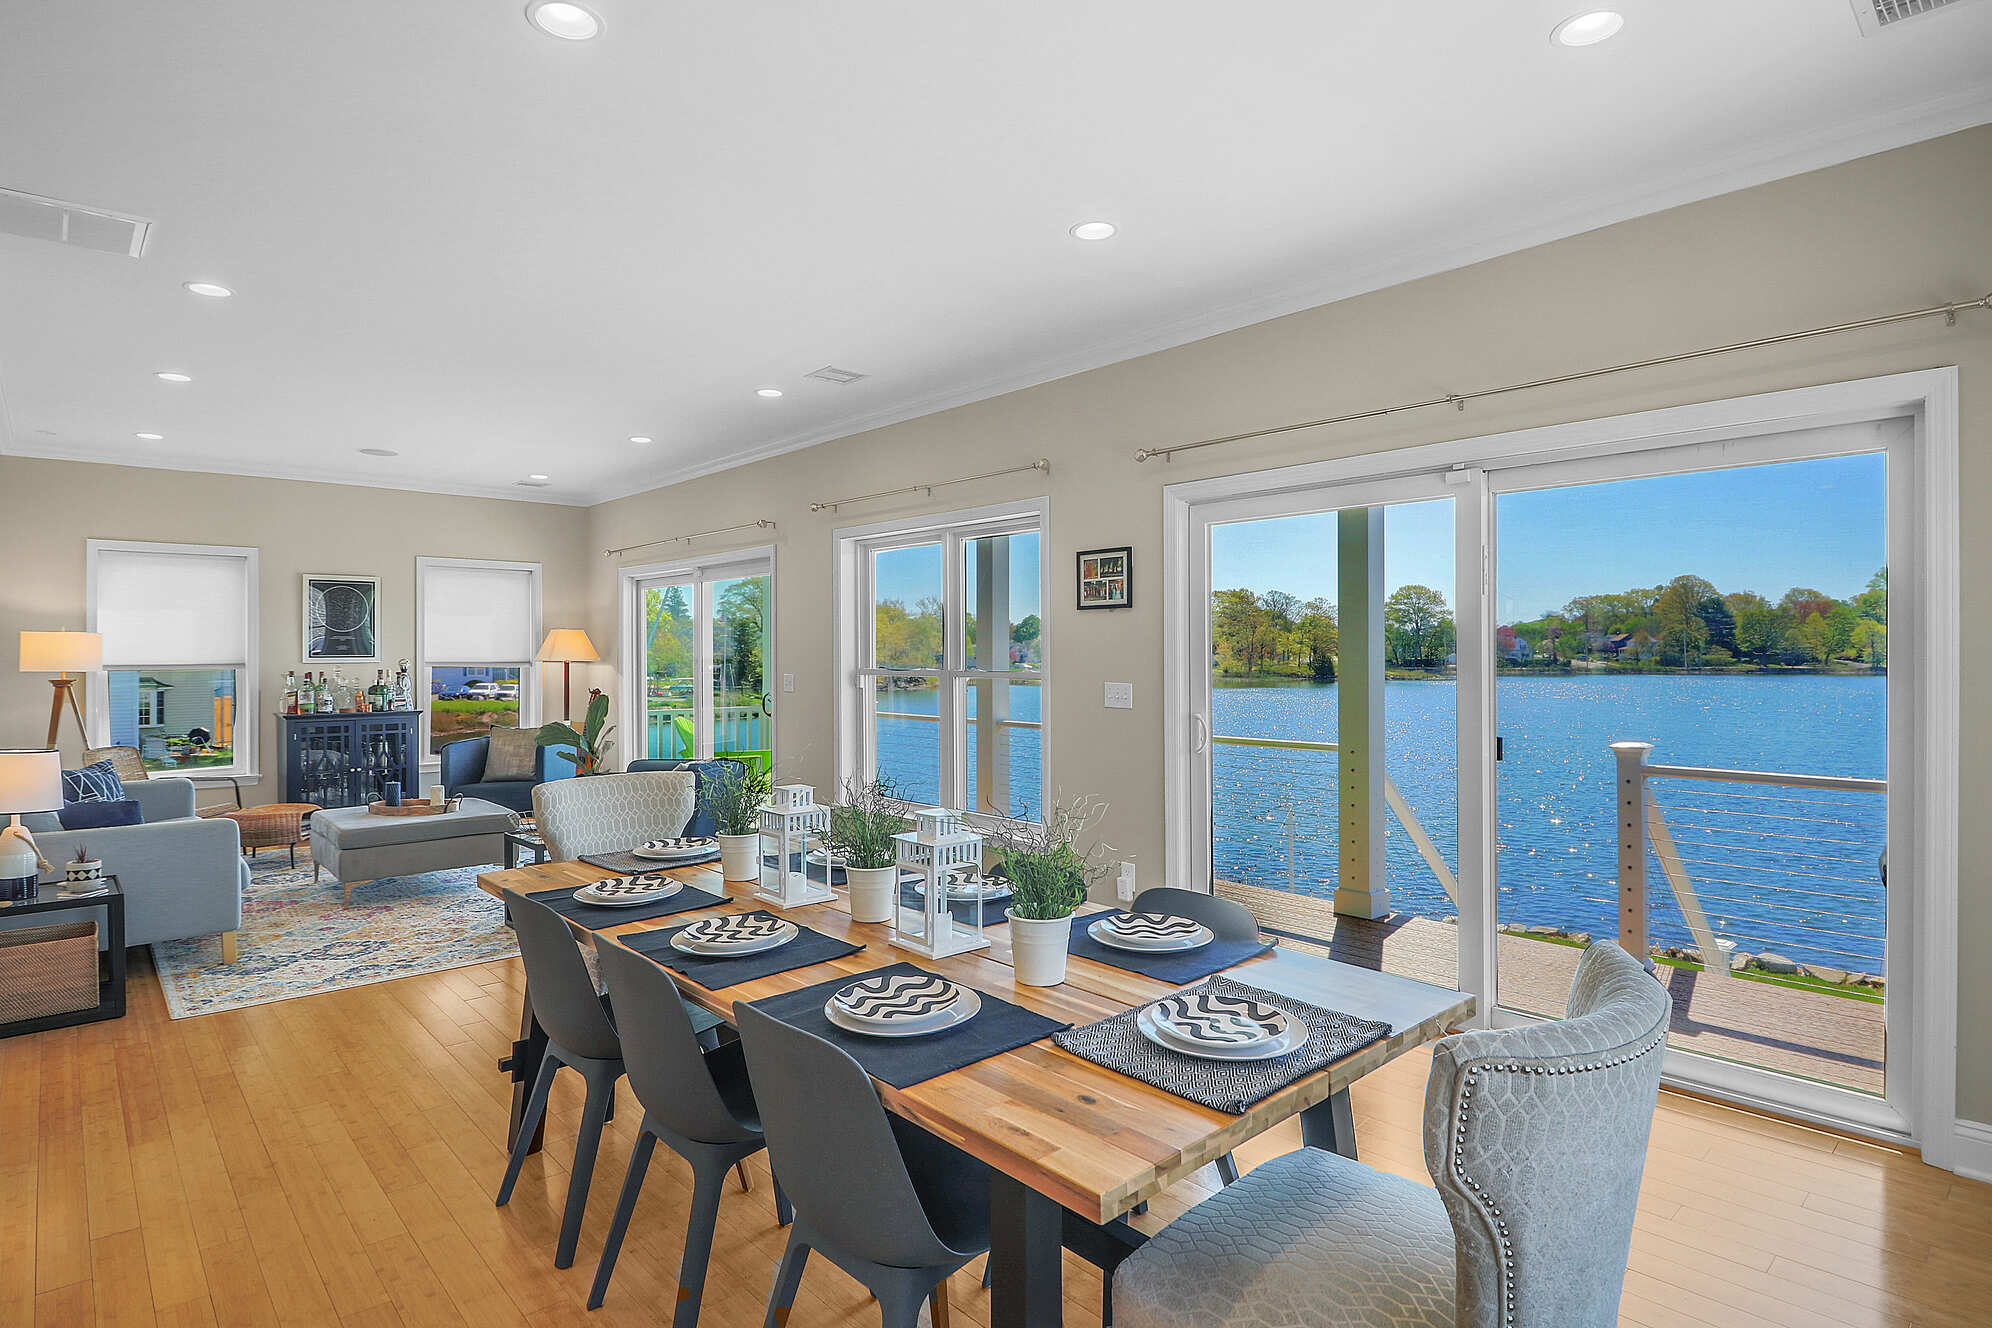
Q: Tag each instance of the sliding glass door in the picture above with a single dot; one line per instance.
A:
(698, 652)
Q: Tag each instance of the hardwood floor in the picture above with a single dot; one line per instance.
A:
(332, 1160)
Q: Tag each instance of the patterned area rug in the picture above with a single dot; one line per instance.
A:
(298, 938)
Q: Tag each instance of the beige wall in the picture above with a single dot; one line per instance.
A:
(1895, 231)
(49, 508)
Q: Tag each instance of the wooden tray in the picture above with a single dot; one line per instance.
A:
(407, 809)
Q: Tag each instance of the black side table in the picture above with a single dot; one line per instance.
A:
(110, 960)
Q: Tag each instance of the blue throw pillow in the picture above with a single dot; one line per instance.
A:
(93, 783)
(96, 815)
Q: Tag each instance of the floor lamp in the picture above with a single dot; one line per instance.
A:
(62, 653)
(567, 646)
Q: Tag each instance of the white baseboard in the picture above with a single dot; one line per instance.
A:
(1971, 1150)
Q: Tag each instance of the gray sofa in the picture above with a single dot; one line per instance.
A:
(182, 876)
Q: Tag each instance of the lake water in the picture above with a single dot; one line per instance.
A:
(1790, 870)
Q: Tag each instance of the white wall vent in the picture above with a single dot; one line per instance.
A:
(1877, 15)
(38, 218)
(830, 373)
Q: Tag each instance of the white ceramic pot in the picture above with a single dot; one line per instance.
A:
(871, 892)
(1038, 948)
(738, 856)
(85, 873)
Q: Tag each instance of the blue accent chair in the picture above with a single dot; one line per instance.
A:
(463, 773)
(720, 767)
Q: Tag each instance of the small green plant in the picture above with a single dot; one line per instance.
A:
(734, 801)
(591, 745)
(862, 828)
(1048, 875)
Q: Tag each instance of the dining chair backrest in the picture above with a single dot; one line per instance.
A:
(1228, 921)
(613, 813)
(829, 1141)
(1536, 1138)
(661, 1053)
(557, 982)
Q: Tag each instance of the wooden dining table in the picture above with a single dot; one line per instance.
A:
(1072, 1146)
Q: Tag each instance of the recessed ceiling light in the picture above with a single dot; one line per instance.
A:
(536, 477)
(209, 289)
(168, 377)
(569, 22)
(769, 392)
(1094, 230)
(378, 451)
(639, 438)
(150, 437)
(1588, 29)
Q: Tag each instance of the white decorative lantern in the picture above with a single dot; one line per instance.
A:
(950, 857)
(795, 849)
(931, 823)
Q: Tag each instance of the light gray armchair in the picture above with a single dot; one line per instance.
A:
(613, 813)
(1535, 1138)
(182, 876)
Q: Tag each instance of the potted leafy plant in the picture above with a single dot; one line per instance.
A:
(1048, 877)
(861, 832)
(591, 745)
(734, 800)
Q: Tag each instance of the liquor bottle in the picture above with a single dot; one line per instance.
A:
(322, 703)
(306, 698)
(404, 695)
(290, 691)
(382, 695)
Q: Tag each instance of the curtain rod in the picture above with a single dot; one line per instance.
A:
(687, 539)
(1458, 400)
(1042, 464)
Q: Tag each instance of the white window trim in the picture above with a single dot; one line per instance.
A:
(529, 669)
(855, 750)
(248, 677)
(1924, 654)
(700, 573)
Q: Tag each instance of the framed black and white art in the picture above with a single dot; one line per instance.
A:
(341, 617)
(1106, 578)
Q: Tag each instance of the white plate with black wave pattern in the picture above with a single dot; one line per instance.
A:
(1153, 932)
(901, 1005)
(670, 850)
(629, 891)
(1223, 1028)
(735, 934)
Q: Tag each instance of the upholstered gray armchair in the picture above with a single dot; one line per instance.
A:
(1535, 1138)
(613, 813)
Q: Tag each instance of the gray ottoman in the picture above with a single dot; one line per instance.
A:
(356, 846)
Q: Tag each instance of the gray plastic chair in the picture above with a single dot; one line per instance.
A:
(1535, 1137)
(579, 1035)
(698, 1102)
(892, 1205)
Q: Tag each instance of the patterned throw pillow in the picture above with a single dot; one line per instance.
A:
(98, 782)
(511, 755)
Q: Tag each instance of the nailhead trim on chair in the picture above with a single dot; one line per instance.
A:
(1459, 1150)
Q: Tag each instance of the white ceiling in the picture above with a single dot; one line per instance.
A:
(498, 253)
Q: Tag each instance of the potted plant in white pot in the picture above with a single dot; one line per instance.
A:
(1048, 878)
(861, 832)
(735, 807)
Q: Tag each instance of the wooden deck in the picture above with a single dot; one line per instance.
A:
(1813, 1034)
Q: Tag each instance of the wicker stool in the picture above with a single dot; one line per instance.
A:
(273, 825)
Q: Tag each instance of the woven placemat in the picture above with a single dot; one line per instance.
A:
(715, 971)
(1232, 1086)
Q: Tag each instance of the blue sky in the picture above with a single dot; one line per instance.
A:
(911, 574)
(1764, 528)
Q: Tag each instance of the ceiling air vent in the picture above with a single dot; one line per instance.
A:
(830, 373)
(533, 484)
(1877, 15)
(37, 218)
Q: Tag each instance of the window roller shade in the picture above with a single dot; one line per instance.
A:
(173, 610)
(477, 615)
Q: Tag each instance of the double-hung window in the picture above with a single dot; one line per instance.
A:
(180, 659)
(943, 660)
(477, 628)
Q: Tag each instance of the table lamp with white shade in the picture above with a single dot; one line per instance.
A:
(567, 646)
(30, 781)
(62, 653)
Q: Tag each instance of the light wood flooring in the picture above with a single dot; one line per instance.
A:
(332, 1160)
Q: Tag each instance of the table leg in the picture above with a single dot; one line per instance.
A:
(1330, 1125)
(523, 1064)
(1026, 1282)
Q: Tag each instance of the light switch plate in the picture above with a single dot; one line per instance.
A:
(788, 682)
(1120, 696)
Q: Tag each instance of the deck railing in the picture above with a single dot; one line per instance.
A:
(736, 728)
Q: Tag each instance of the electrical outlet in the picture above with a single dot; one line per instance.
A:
(788, 682)
(1124, 883)
(1120, 696)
